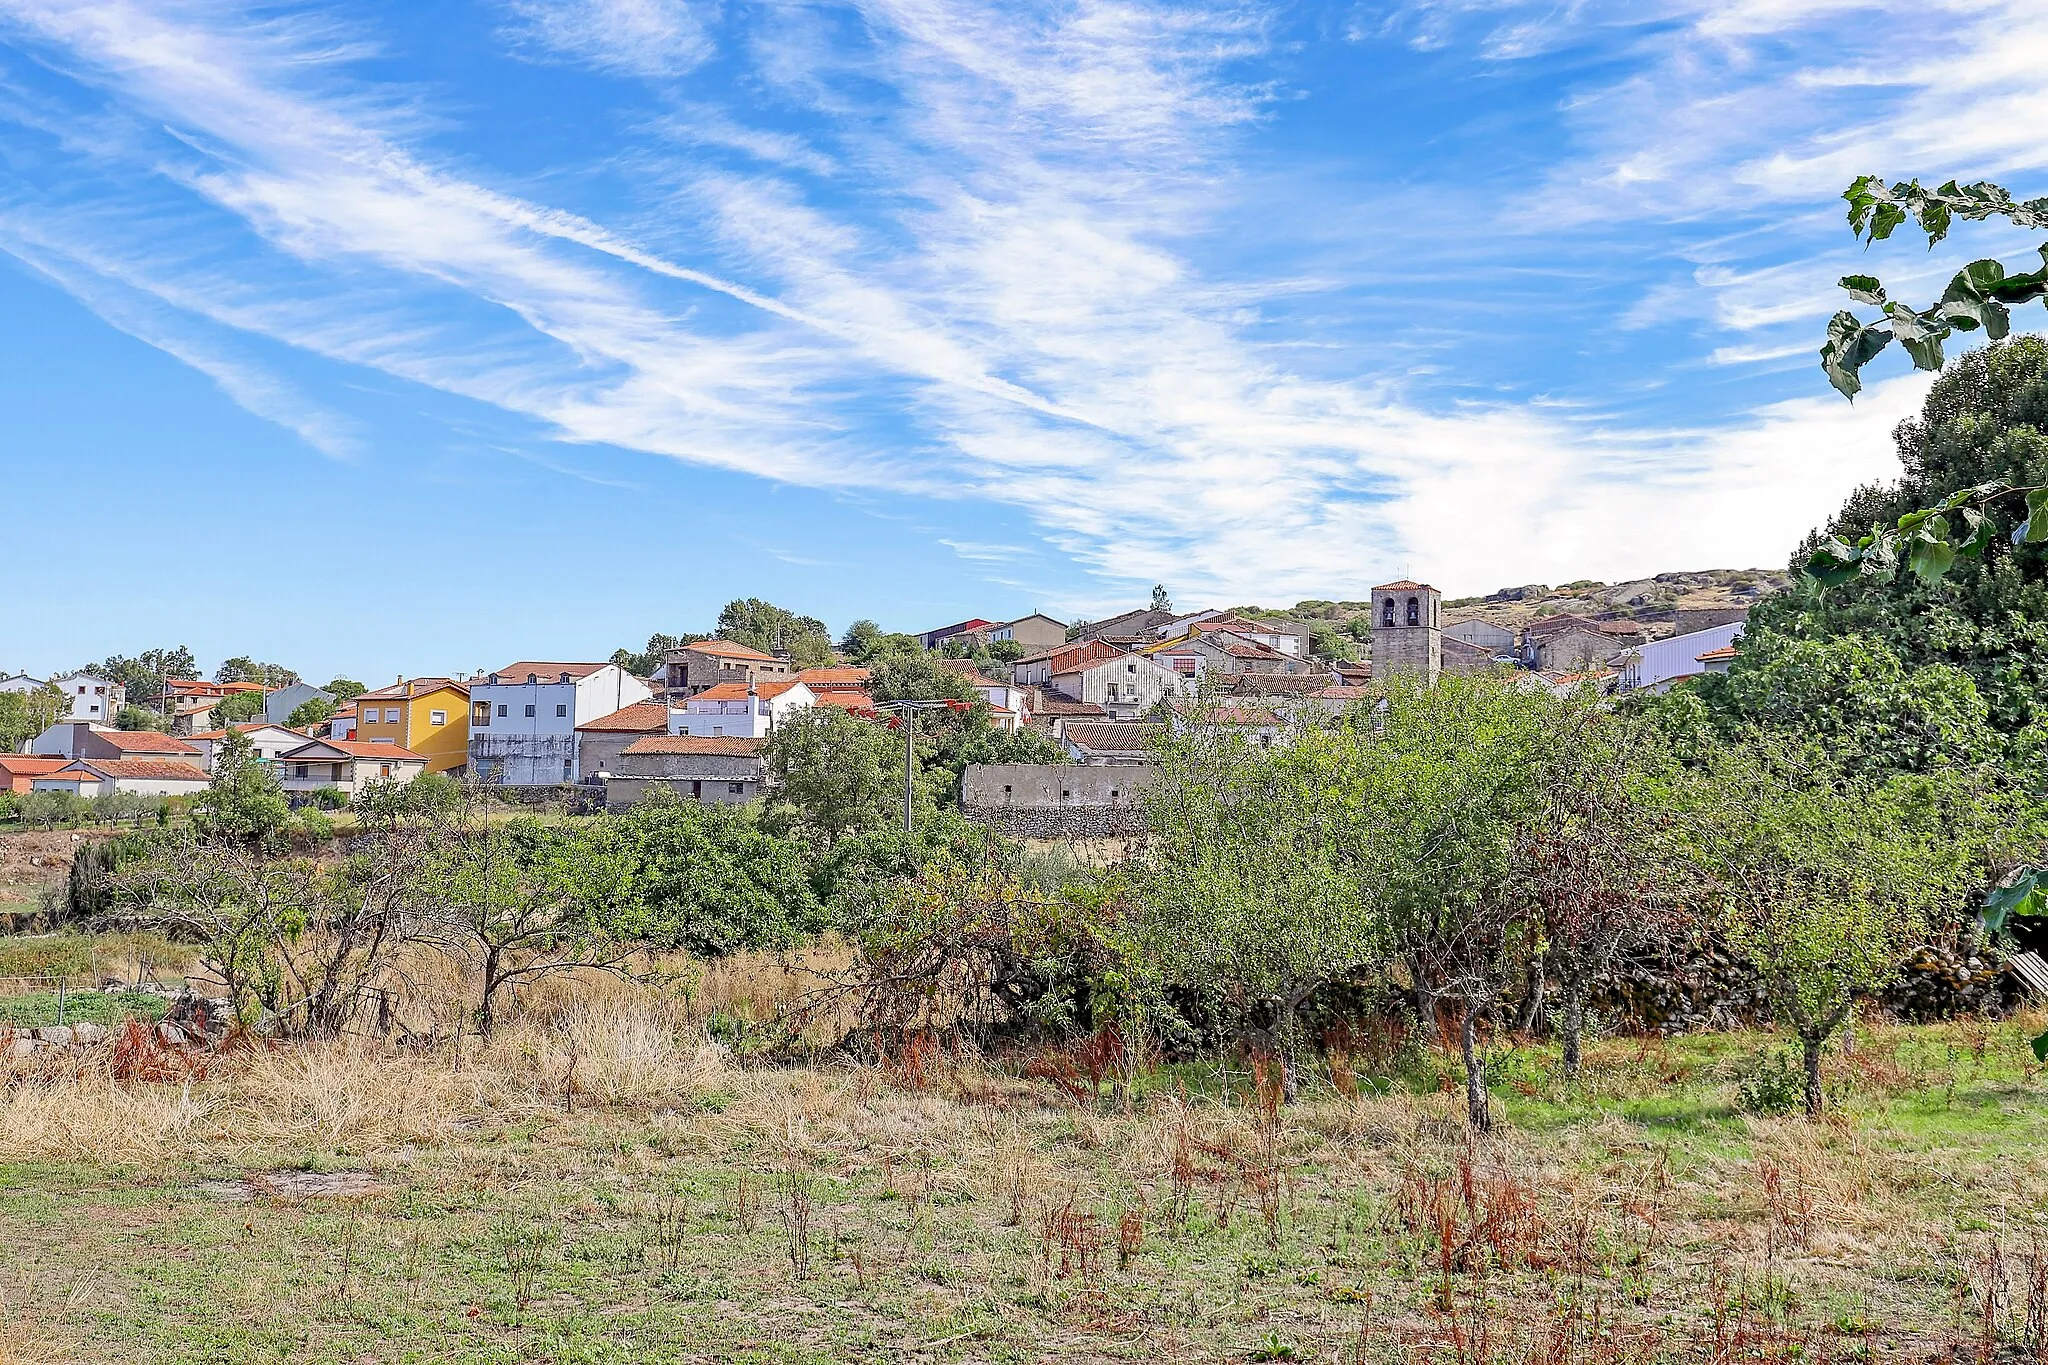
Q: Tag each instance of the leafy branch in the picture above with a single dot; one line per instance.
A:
(1981, 294)
(1931, 540)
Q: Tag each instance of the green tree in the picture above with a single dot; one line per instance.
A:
(147, 676)
(1326, 642)
(245, 669)
(1852, 698)
(1985, 612)
(646, 662)
(245, 802)
(859, 640)
(344, 689)
(833, 774)
(1823, 883)
(529, 900)
(236, 708)
(24, 715)
(1260, 873)
(309, 713)
(708, 879)
(776, 630)
(133, 717)
(1160, 600)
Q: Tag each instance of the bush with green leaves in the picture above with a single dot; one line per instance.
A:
(705, 879)
(1770, 1081)
(52, 809)
(245, 800)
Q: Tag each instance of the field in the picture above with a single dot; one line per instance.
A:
(601, 1182)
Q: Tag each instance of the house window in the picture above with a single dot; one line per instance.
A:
(1183, 665)
(1130, 668)
(299, 769)
(718, 729)
(529, 710)
(696, 791)
(383, 770)
(567, 766)
(1414, 612)
(736, 788)
(561, 709)
(504, 711)
(437, 717)
(1387, 612)
(480, 714)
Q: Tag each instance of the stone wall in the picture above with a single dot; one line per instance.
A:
(1056, 801)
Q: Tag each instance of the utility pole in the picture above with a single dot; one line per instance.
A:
(906, 718)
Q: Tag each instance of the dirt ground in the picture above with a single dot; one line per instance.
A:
(31, 857)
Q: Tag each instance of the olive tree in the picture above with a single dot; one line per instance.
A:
(1823, 884)
(1252, 874)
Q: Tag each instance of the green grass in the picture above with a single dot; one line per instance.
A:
(81, 1007)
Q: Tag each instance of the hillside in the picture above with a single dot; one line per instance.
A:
(1655, 599)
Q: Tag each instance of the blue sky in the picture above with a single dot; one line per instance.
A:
(409, 337)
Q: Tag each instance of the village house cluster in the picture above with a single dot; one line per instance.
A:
(697, 725)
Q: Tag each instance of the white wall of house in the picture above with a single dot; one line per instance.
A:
(739, 717)
(90, 699)
(270, 742)
(1659, 663)
(349, 775)
(65, 739)
(523, 734)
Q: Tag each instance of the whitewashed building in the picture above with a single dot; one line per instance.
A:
(90, 699)
(347, 765)
(1660, 663)
(740, 710)
(523, 718)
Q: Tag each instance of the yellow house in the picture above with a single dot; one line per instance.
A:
(429, 716)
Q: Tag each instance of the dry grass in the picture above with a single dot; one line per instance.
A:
(661, 1198)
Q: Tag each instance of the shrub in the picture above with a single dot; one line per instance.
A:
(1770, 1081)
(329, 798)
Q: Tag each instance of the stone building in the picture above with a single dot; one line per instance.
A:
(1407, 630)
(1056, 800)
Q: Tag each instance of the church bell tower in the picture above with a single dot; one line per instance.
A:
(1407, 630)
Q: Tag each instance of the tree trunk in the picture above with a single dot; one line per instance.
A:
(486, 1016)
(1290, 1050)
(1813, 1043)
(1532, 1003)
(1475, 1072)
(1572, 1024)
(1425, 1008)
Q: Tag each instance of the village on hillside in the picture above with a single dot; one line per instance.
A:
(694, 724)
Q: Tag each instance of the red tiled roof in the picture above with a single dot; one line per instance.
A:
(643, 717)
(1724, 652)
(734, 691)
(851, 701)
(694, 744)
(1056, 706)
(1403, 585)
(1344, 692)
(1112, 736)
(547, 672)
(1550, 625)
(159, 769)
(727, 649)
(835, 679)
(1086, 654)
(356, 748)
(144, 742)
(420, 687)
(30, 765)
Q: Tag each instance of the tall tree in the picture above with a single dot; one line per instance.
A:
(242, 668)
(147, 676)
(24, 715)
(834, 774)
(776, 630)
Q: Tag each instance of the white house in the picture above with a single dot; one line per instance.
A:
(740, 711)
(347, 765)
(271, 742)
(90, 777)
(90, 699)
(22, 682)
(1660, 663)
(523, 718)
